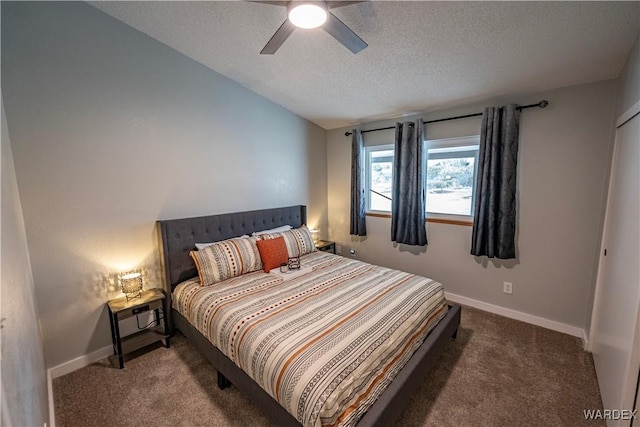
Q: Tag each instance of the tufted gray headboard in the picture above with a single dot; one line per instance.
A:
(179, 236)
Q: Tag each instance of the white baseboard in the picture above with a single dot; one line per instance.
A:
(68, 367)
(518, 315)
(80, 362)
(52, 412)
(585, 341)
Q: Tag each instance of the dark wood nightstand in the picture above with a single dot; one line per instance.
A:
(326, 246)
(120, 309)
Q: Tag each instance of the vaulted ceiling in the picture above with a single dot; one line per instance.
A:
(421, 55)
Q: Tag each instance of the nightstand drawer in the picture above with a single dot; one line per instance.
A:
(326, 246)
(140, 309)
(125, 314)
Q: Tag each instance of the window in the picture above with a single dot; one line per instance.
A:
(379, 175)
(451, 173)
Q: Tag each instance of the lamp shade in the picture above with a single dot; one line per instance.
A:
(131, 284)
(308, 15)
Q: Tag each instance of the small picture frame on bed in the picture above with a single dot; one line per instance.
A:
(294, 263)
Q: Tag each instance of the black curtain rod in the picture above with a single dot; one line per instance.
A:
(541, 104)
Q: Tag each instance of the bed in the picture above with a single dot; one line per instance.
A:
(178, 238)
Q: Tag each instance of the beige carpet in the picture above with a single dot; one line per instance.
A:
(499, 372)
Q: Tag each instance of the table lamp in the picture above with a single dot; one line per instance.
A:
(131, 284)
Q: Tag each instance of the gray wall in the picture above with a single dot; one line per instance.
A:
(563, 162)
(24, 381)
(629, 80)
(111, 130)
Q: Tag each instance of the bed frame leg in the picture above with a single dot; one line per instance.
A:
(223, 382)
(455, 334)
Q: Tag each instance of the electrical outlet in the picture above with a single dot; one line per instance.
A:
(508, 288)
(352, 252)
(339, 249)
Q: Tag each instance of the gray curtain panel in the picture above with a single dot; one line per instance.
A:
(408, 213)
(494, 223)
(358, 223)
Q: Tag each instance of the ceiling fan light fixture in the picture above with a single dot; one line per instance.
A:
(308, 15)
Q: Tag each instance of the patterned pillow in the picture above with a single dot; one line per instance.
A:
(226, 259)
(299, 241)
(273, 253)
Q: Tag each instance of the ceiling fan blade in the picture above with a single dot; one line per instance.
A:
(336, 4)
(278, 38)
(343, 34)
(274, 3)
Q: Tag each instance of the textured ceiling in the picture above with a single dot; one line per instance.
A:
(421, 55)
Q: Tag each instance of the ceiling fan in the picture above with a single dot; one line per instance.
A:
(313, 14)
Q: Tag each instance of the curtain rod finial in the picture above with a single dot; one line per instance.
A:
(543, 103)
(348, 134)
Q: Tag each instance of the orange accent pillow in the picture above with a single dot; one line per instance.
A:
(273, 253)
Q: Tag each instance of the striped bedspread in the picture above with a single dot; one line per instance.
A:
(325, 345)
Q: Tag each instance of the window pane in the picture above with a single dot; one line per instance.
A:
(381, 153)
(450, 185)
(381, 173)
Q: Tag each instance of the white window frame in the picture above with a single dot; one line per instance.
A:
(451, 143)
(367, 187)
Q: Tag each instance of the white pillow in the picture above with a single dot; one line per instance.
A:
(272, 230)
(200, 246)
